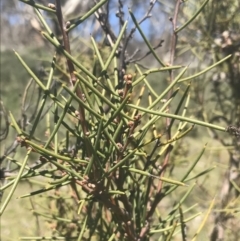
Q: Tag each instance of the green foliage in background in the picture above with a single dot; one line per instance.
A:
(107, 149)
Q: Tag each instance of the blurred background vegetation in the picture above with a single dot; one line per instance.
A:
(215, 98)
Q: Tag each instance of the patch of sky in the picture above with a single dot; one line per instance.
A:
(156, 23)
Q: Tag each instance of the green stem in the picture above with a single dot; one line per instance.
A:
(197, 122)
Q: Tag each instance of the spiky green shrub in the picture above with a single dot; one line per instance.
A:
(107, 165)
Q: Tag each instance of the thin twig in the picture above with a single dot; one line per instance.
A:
(70, 65)
(123, 63)
(172, 56)
(131, 58)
